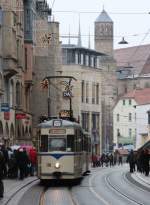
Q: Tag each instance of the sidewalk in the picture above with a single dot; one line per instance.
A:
(141, 178)
(11, 186)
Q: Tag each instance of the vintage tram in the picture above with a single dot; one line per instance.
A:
(63, 150)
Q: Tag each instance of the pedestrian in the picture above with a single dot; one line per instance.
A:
(120, 160)
(111, 160)
(33, 161)
(131, 161)
(2, 162)
(5, 154)
(102, 159)
(146, 162)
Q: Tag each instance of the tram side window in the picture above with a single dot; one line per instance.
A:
(79, 143)
(44, 143)
(70, 143)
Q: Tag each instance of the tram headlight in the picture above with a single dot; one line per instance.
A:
(57, 165)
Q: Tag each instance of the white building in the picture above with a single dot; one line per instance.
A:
(142, 124)
(130, 118)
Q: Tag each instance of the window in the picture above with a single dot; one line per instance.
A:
(70, 143)
(44, 143)
(87, 92)
(130, 102)
(76, 58)
(85, 120)
(130, 117)
(18, 94)
(130, 132)
(93, 93)
(97, 93)
(118, 116)
(82, 91)
(57, 144)
(82, 59)
(118, 133)
(124, 102)
(26, 59)
(87, 60)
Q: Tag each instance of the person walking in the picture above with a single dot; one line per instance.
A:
(131, 161)
(33, 161)
(111, 160)
(2, 162)
(146, 162)
(120, 160)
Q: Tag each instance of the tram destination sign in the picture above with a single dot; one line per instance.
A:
(57, 131)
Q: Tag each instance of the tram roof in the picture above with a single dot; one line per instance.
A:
(64, 123)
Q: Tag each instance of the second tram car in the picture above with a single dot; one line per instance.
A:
(63, 150)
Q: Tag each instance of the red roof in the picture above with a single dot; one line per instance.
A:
(135, 56)
(141, 96)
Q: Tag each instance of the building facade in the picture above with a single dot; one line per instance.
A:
(83, 64)
(130, 118)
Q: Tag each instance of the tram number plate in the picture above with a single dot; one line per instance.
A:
(48, 164)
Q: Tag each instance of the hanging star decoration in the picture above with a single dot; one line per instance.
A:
(44, 84)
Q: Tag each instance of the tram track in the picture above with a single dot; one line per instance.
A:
(118, 191)
(59, 194)
(29, 184)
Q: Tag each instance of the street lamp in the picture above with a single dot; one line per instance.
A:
(123, 41)
(67, 91)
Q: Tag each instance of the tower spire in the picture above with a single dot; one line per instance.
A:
(79, 35)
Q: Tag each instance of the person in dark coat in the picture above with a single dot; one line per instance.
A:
(120, 160)
(21, 164)
(146, 162)
(5, 154)
(2, 162)
(131, 161)
(111, 160)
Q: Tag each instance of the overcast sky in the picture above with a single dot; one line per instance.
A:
(131, 19)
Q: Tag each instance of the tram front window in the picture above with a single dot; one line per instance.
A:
(56, 144)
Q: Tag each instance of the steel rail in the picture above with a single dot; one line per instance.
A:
(18, 190)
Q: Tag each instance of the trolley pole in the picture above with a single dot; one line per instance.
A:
(49, 100)
(69, 92)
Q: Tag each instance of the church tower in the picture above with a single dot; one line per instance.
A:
(104, 34)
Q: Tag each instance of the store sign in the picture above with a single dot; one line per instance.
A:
(5, 107)
(20, 116)
(6, 115)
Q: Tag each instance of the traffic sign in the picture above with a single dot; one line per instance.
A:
(5, 107)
